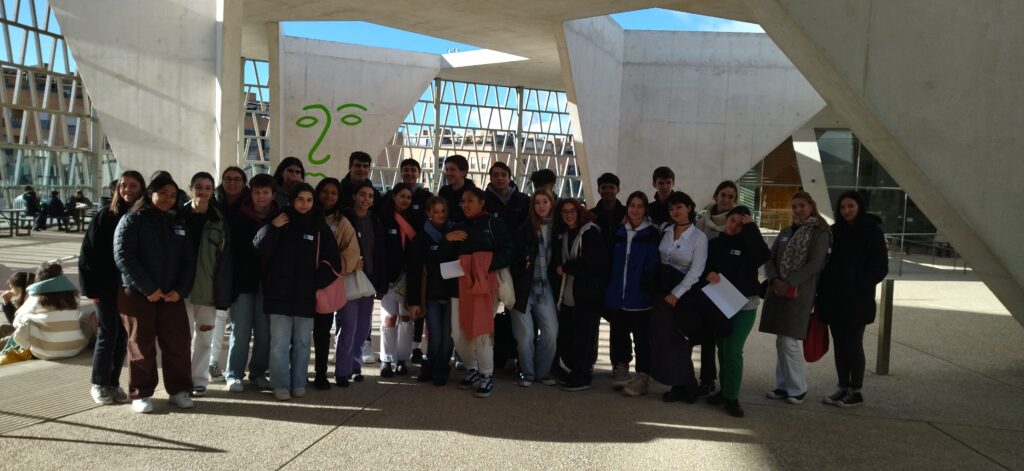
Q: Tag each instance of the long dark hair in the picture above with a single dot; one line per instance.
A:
(116, 202)
(287, 162)
(316, 196)
(161, 180)
(388, 206)
(20, 280)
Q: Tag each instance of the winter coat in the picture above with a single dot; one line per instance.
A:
(858, 262)
(454, 198)
(526, 246)
(513, 211)
(790, 316)
(483, 234)
(378, 272)
(245, 260)
(55, 207)
(345, 236)
(634, 267)
(737, 258)
(609, 220)
(154, 251)
(418, 208)
(589, 269)
(425, 253)
(214, 274)
(396, 256)
(291, 272)
(98, 275)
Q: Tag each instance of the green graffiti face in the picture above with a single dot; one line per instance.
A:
(351, 119)
(309, 121)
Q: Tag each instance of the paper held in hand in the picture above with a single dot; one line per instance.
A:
(452, 269)
(726, 297)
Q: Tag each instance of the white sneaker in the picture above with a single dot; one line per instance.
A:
(182, 400)
(369, 356)
(301, 392)
(101, 395)
(235, 386)
(282, 394)
(142, 405)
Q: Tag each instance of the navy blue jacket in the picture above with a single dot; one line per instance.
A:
(153, 251)
(632, 278)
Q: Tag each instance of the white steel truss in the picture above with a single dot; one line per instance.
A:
(49, 137)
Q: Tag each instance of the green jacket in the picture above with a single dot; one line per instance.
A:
(212, 286)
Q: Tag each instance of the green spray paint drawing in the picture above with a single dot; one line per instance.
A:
(309, 121)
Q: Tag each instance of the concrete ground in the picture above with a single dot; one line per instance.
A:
(954, 400)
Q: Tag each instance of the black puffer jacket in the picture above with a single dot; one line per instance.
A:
(153, 251)
(454, 198)
(737, 258)
(396, 257)
(244, 224)
(426, 253)
(858, 261)
(291, 271)
(97, 273)
(378, 272)
(512, 212)
(483, 234)
(589, 270)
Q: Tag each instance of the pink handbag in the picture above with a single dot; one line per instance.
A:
(331, 298)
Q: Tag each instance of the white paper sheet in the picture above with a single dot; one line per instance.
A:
(725, 295)
(452, 269)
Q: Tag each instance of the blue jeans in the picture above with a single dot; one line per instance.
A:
(289, 351)
(439, 340)
(536, 351)
(248, 321)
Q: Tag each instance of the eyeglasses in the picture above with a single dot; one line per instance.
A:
(569, 212)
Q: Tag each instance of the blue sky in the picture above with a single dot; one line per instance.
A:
(359, 32)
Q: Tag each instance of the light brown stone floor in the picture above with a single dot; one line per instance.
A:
(954, 400)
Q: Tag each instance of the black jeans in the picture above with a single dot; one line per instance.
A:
(417, 332)
(579, 343)
(322, 324)
(111, 343)
(623, 324)
(849, 354)
(504, 341)
(708, 371)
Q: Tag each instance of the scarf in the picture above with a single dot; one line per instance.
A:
(403, 226)
(434, 233)
(795, 254)
(714, 221)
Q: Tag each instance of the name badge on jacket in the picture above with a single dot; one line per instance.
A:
(179, 231)
(393, 231)
(735, 252)
(416, 206)
(307, 236)
(433, 247)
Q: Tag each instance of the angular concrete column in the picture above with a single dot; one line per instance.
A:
(932, 88)
(276, 91)
(229, 93)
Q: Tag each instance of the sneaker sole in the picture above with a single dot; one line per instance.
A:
(794, 401)
(482, 395)
(844, 405)
(632, 393)
(576, 388)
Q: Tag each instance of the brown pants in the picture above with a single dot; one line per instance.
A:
(147, 324)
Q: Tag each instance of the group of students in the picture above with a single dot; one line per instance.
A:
(493, 274)
(52, 207)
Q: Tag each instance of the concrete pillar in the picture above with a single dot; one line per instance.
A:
(229, 94)
(932, 88)
(812, 174)
(276, 93)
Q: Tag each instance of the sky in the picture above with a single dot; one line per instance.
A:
(369, 34)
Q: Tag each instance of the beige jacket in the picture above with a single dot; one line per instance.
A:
(345, 235)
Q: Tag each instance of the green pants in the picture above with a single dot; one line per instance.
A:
(730, 353)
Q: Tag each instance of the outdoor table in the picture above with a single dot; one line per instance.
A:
(13, 218)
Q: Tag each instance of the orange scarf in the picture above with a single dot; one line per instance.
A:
(403, 226)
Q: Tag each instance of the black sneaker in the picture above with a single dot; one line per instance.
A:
(357, 376)
(795, 400)
(385, 370)
(734, 409)
(401, 369)
(572, 386)
(851, 399)
(716, 399)
(321, 383)
(472, 378)
(342, 381)
(706, 388)
(831, 400)
(486, 387)
(424, 378)
(681, 394)
(417, 356)
(777, 394)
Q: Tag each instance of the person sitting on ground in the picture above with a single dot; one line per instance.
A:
(48, 324)
(15, 295)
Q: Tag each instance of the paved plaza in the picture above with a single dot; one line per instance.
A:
(954, 400)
